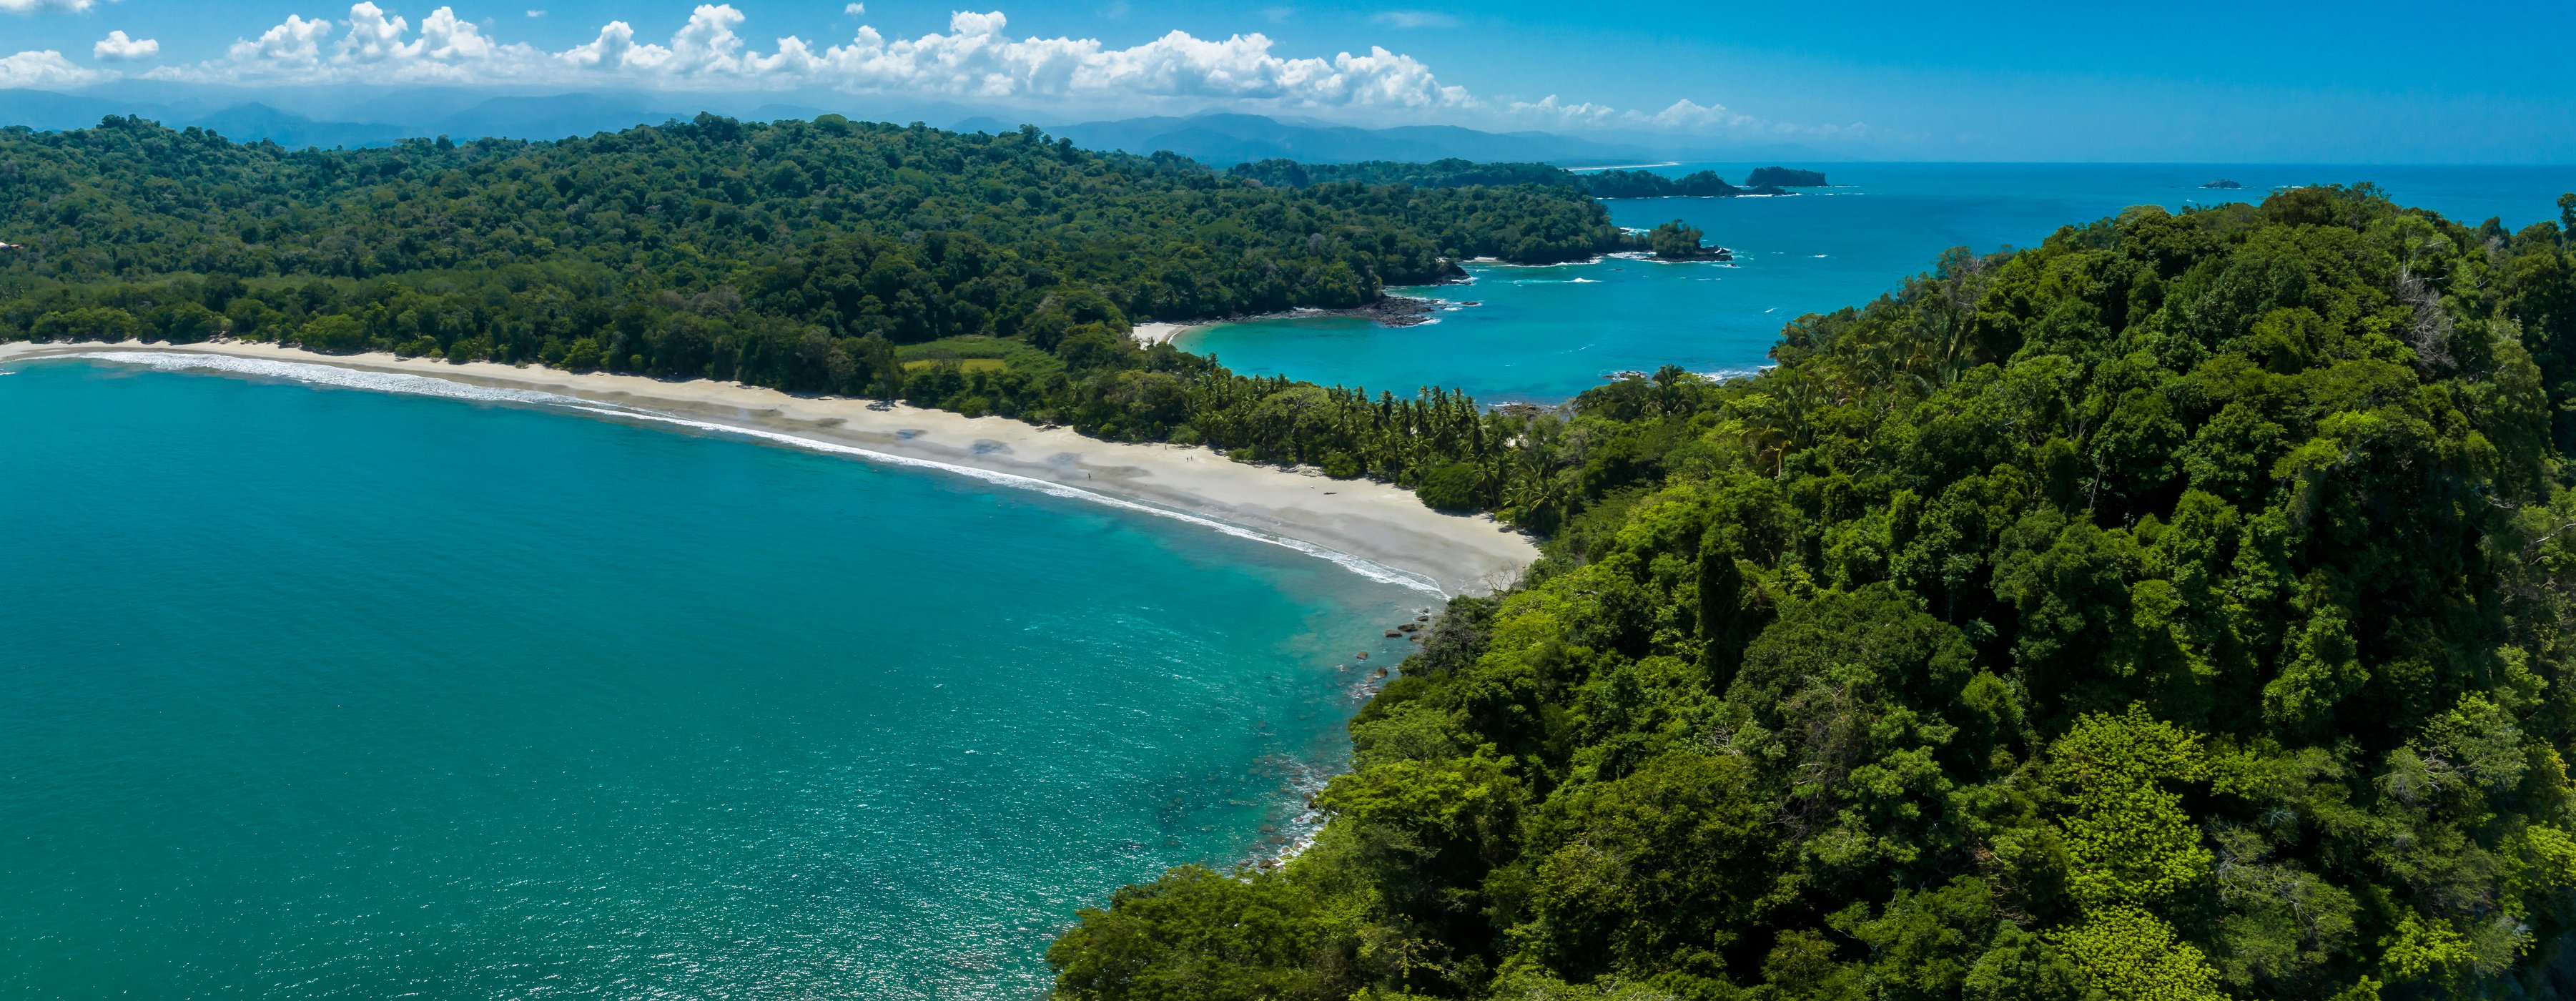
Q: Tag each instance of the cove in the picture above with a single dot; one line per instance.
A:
(1545, 334)
(318, 692)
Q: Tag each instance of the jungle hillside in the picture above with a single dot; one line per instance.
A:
(980, 273)
(2177, 610)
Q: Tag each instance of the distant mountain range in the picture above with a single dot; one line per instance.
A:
(550, 117)
(1223, 140)
(1219, 140)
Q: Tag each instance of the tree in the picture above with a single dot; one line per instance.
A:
(1723, 620)
(1675, 240)
(1450, 487)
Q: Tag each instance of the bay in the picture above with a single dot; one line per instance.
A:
(1544, 334)
(317, 692)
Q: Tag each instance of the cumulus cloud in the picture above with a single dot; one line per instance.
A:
(1550, 111)
(116, 48)
(40, 6)
(296, 42)
(1689, 116)
(975, 57)
(1683, 116)
(855, 10)
(45, 68)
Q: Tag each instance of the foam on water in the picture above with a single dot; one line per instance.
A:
(326, 375)
(423, 385)
(1373, 571)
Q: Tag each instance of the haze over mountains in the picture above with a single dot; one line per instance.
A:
(341, 118)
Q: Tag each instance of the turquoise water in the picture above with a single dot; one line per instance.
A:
(1545, 334)
(319, 692)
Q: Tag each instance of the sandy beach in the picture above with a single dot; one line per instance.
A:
(1361, 523)
(1150, 334)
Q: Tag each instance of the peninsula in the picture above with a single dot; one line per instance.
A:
(988, 275)
(1442, 174)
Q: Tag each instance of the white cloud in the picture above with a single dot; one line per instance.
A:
(855, 10)
(536, 14)
(706, 48)
(117, 48)
(974, 58)
(296, 41)
(373, 36)
(1415, 19)
(1689, 116)
(45, 68)
(1550, 111)
(445, 38)
(39, 6)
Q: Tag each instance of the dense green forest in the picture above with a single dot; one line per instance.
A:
(1455, 173)
(1644, 184)
(2180, 609)
(827, 256)
(1784, 177)
(1449, 173)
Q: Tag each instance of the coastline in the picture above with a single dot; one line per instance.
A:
(1358, 523)
(1392, 310)
(1149, 334)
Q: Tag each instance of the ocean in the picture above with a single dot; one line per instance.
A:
(311, 691)
(1544, 334)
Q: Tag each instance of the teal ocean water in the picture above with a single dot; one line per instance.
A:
(318, 692)
(1545, 334)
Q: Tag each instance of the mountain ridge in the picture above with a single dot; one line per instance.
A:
(1218, 139)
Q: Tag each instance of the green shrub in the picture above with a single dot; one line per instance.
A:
(1450, 487)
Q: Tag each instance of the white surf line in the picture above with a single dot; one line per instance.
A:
(327, 375)
(1373, 571)
(424, 385)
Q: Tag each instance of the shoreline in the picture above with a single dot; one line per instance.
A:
(1359, 524)
(1392, 309)
(1149, 334)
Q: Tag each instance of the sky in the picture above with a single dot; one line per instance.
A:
(2187, 81)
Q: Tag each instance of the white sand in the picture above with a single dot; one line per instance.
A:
(1374, 522)
(1150, 334)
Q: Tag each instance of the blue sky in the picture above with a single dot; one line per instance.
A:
(2348, 82)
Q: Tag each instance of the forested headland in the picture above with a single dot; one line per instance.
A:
(987, 274)
(2180, 609)
(1464, 173)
